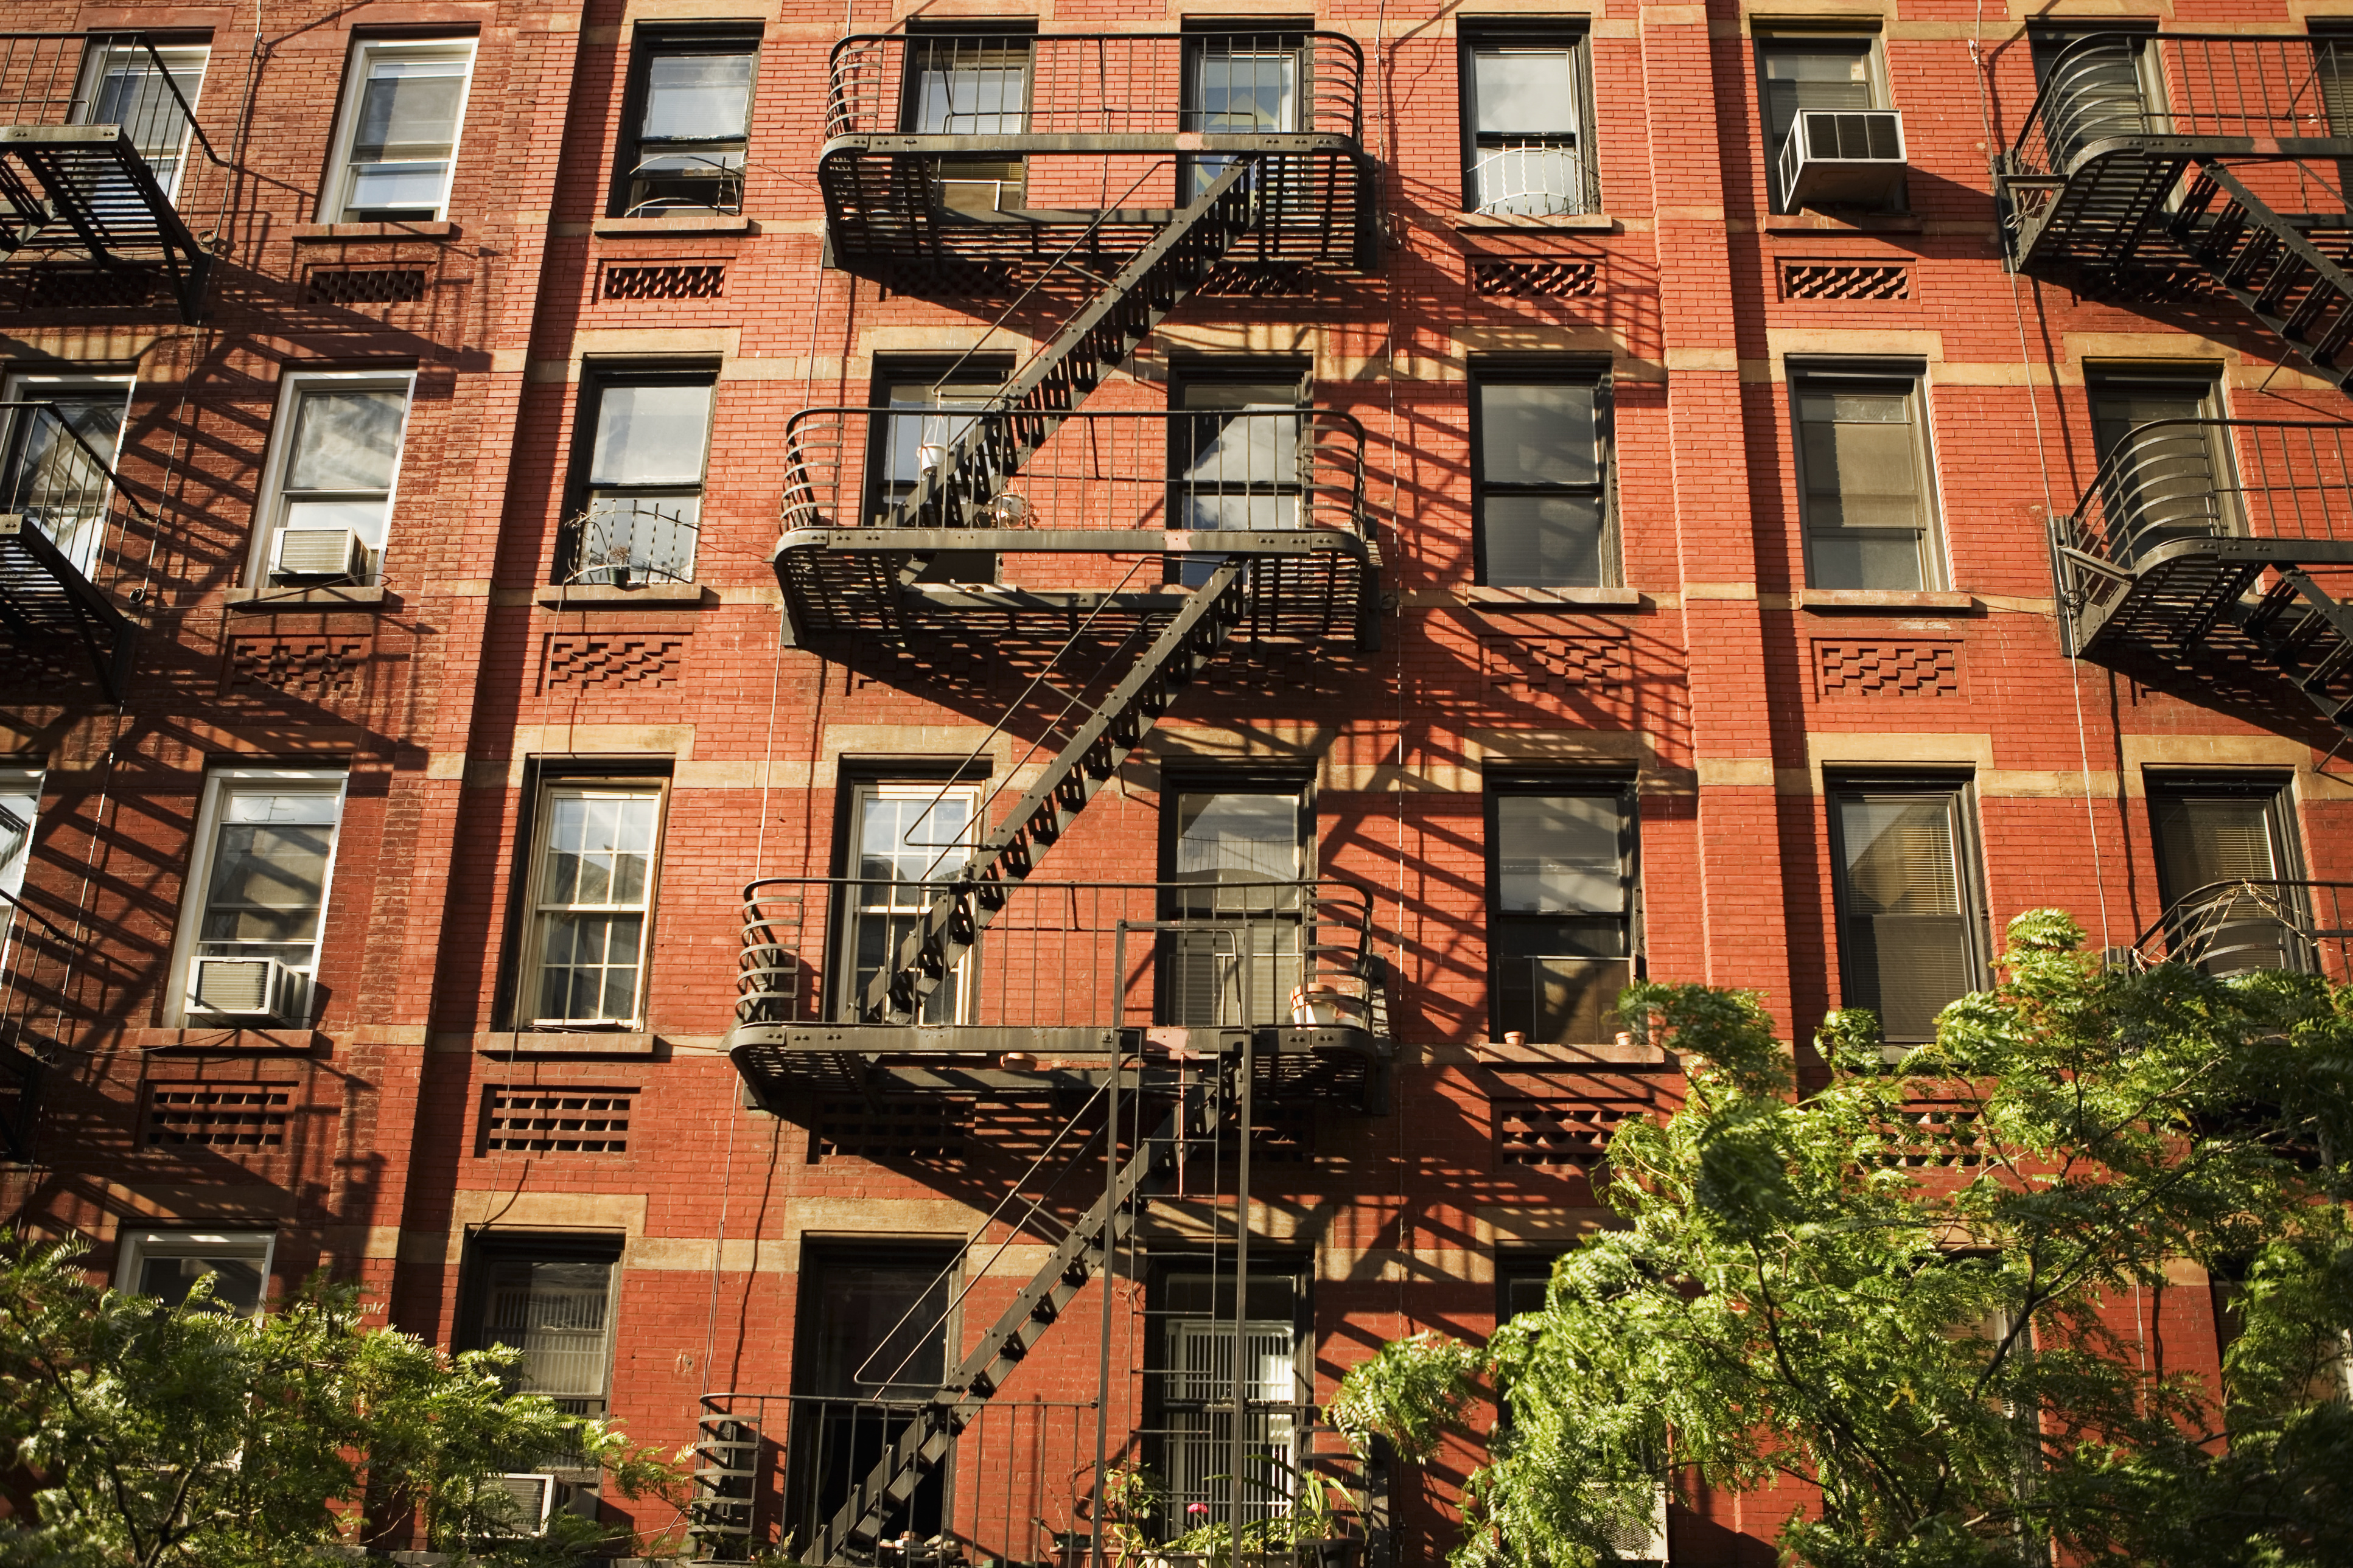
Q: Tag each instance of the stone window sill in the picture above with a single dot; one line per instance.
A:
(1553, 598)
(604, 596)
(1881, 601)
(1569, 223)
(265, 601)
(223, 1039)
(333, 233)
(1862, 222)
(679, 223)
(567, 1043)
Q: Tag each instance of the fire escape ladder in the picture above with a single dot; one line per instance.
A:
(947, 930)
(2309, 634)
(954, 492)
(2269, 266)
(853, 1535)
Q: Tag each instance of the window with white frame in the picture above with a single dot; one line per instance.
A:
(150, 90)
(908, 839)
(1526, 149)
(404, 100)
(327, 502)
(20, 808)
(167, 1264)
(59, 435)
(256, 897)
(592, 902)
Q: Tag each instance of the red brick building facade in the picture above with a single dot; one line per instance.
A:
(1467, 504)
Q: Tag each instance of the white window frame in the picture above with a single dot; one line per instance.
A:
(860, 910)
(270, 514)
(94, 71)
(135, 1247)
(335, 196)
(17, 854)
(531, 969)
(218, 783)
(30, 387)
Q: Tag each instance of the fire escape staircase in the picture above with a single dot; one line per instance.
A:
(46, 605)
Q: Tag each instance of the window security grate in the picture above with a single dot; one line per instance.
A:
(1535, 279)
(571, 1121)
(216, 1116)
(1573, 1133)
(1845, 281)
(930, 1131)
(365, 285)
(664, 282)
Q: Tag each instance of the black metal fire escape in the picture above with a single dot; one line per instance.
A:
(97, 145)
(59, 503)
(2167, 166)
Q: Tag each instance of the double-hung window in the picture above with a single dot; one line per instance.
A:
(404, 100)
(553, 1302)
(59, 435)
(1905, 894)
(1541, 490)
(258, 890)
(970, 85)
(1236, 462)
(2227, 867)
(1563, 922)
(327, 496)
(1803, 72)
(2161, 479)
(166, 1264)
(592, 899)
(907, 839)
(1239, 85)
(1527, 143)
(1236, 856)
(1865, 480)
(20, 808)
(691, 117)
(640, 509)
(872, 1345)
(150, 92)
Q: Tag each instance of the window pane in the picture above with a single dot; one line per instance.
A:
(1834, 73)
(409, 108)
(1899, 854)
(2216, 839)
(1524, 90)
(554, 1312)
(1262, 450)
(345, 440)
(268, 876)
(650, 434)
(874, 1326)
(1858, 559)
(1556, 854)
(1238, 837)
(1542, 542)
(599, 848)
(2203, 840)
(1904, 942)
(913, 837)
(697, 97)
(1527, 178)
(134, 94)
(20, 806)
(1242, 92)
(238, 1281)
(1538, 433)
(972, 87)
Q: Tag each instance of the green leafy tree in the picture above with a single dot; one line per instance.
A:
(152, 1434)
(1939, 1292)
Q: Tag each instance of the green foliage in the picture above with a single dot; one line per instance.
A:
(1407, 1392)
(1957, 1329)
(155, 1435)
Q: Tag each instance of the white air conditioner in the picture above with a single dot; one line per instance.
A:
(1843, 157)
(530, 1498)
(1645, 1542)
(320, 552)
(257, 988)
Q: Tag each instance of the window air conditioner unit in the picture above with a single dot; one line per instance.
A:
(257, 988)
(530, 1498)
(320, 552)
(1645, 1542)
(1843, 157)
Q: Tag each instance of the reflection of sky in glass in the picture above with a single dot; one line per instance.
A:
(697, 97)
(971, 99)
(1524, 90)
(1239, 835)
(909, 838)
(650, 434)
(1240, 92)
(600, 848)
(1559, 854)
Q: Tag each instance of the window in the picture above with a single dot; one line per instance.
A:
(1237, 87)
(592, 899)
(1527, 149)
(874, 1331)
(963, 85)
(641, 511)
(1235, 464)
(1802, 71)
(1196, 1393)
(327, 502)
(1562, 922)
(1863, 478)
(2168, 483)
(166, 1264)
(906, 839)
(1904, 888)
(257, 889)
(2225, 846)
(690, 117)
(1541, 490)
(54, 457)
(1237, 854)
(2101, 89)
(150, 91)
(403, 102)
(1522, 1282)
(551, 1301)
(925, 400)
(20, 809)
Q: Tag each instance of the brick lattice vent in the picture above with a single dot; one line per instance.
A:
(216, 1115)
(1558, 1132)
(1845, 281)
(1240, 279)
(82, 288)
(930, 1132)
(1939, 1134)
(570, 1120)
(1535, 279)
(668, 281)
(365, 285)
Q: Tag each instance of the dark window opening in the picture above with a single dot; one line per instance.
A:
(1905, 885)
(2227, 867)
(1562, 918)
(551, 1299)
(1196, 1333)
(1541, 490)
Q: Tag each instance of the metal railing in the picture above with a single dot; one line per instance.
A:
(54, 481)
(2184, 84)
(2175, 479)
(1109, 470)
(2232, 926)
(1534, 178)
(1095, 84)
(1254, 952)
(617, 544)
(101, 78)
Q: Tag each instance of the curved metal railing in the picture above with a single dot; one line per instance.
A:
(848, 467)
(1095, 84)
(2175, 479)
(2232, 926)
(54, 480)
(1533, 179)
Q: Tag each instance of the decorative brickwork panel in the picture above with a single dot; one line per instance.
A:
(607, 661)
(1845, 281)
(1891, 668)
(326, 669)
(569, 1120)
(1535, 279)
(216, 1115)
(667, 280)
(365, 285)
(1944, 1134)
(1564, 1132)
(1232, 279)
(1525, 667)
(51, 287)
(930, 1132)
